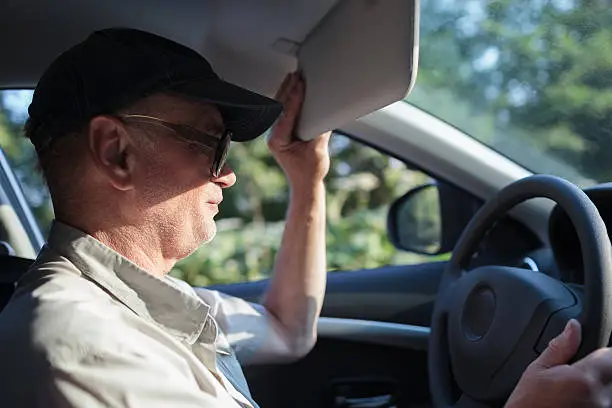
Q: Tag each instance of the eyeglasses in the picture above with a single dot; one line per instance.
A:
(193, 137)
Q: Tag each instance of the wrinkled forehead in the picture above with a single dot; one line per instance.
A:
(179, 109)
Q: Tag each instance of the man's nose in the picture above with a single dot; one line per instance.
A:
(226, 177)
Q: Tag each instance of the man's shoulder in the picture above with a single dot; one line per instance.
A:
(53, 282)
(56, 313)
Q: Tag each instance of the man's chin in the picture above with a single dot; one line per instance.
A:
(209, 233)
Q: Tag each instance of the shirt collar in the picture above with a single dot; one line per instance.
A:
(179, 311)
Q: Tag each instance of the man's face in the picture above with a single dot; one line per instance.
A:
(173, 188)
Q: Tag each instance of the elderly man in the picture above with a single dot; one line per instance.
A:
(132, 132)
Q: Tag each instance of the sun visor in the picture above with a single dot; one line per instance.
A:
(361, 57)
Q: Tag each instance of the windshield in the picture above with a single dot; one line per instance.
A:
(530, 78)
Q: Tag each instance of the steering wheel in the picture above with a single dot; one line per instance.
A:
(491, 322)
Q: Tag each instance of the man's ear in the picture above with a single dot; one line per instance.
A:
(108, 146)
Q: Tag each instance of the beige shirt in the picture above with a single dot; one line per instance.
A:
(88, 328)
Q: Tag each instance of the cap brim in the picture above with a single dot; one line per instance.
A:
(245, 113)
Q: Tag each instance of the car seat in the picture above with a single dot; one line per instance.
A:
(11, 269)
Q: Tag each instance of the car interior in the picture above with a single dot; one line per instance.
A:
(456, 332)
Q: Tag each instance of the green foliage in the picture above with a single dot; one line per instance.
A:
(529, 73)
(238, 253)
(246, 252)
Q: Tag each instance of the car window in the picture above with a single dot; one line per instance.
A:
(361, 186)
(21, 155)
(531, 79)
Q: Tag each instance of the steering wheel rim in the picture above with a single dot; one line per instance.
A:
(460, 291)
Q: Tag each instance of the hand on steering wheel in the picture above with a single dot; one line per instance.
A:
(550, 382)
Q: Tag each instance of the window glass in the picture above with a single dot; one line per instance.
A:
(21, 154)
(530, 78)
(361, 186)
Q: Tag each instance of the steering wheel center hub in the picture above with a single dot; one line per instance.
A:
(478, 313)
(496, 317)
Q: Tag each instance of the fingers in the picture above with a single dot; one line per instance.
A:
(325, 137)
(562, 348)
(322, 141)
(287, 87)
(291, 95)
(598, 364)
(295, 98)
(280, 93)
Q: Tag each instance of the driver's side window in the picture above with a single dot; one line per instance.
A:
(362, 185)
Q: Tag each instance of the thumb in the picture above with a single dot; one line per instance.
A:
(562, 348)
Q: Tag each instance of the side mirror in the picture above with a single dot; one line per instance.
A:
(430, 218)
(415, 221)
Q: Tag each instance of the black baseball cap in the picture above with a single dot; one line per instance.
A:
(117, 66)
